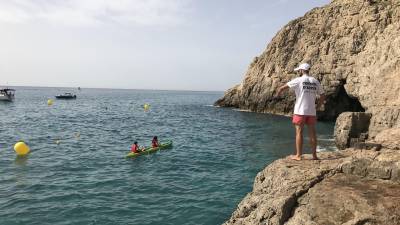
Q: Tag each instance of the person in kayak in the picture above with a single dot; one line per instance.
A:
(154, 142)
(135, 148)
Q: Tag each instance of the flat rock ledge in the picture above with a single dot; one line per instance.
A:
(351, 187)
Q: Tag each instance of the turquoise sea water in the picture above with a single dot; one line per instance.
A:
(86, 180)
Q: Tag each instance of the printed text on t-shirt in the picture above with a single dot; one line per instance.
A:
(308, 86)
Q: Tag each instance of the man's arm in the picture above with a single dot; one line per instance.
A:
(281, 89)
(321, 101)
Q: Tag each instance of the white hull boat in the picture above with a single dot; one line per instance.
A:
(7, 94)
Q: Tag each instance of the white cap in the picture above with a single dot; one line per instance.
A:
(303, 66)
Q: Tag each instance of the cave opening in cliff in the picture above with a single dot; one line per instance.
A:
(340, 102)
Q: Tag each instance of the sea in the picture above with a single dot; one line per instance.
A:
(77, 172)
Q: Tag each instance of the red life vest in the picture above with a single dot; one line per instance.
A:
(154, 143)
(135, 148)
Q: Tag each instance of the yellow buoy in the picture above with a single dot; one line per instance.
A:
(146, 107)
(21, 148)
(50, 102)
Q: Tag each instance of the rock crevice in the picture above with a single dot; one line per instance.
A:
(293, 202)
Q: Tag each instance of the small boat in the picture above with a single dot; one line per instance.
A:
(66, 96)
(149, 150)
(7, 94)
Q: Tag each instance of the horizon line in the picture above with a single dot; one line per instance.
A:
(109, 88)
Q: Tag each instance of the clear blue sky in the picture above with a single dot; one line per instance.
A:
(138, 44)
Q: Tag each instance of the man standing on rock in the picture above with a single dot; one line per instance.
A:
(306, 88)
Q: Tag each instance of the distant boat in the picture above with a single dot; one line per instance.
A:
(66, 96)
(7, 94)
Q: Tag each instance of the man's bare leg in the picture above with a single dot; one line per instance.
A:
(313, 140)
(299, 142)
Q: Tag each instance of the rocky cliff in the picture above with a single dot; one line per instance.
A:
(354, 49)
(351, 187)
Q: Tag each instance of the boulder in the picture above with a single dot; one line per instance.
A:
(350, 126)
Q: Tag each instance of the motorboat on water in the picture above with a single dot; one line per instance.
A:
(7, 94)
(66, 96)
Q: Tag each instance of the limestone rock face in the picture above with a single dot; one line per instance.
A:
(350, 125)
(345, 187)
(354, 49)
(389, 138)
(359, 199)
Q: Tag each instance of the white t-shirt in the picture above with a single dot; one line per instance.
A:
(306, 89)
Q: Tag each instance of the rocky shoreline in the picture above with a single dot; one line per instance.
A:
(354, 48)
(344, 187)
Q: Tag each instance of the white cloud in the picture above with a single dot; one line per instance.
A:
(94, 12)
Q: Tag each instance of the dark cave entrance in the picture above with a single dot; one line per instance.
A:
(339, 102)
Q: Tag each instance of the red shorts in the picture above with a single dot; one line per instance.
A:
(300, 119)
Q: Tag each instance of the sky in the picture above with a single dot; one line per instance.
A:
(138, 44)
